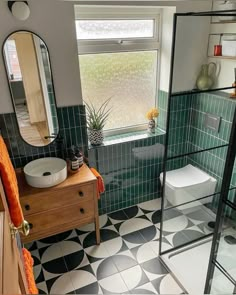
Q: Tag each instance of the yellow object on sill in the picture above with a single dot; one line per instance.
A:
(153, 113)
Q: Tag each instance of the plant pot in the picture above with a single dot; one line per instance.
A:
(151, 126)
(95, 136)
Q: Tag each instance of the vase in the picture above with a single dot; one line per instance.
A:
(205, 79)
(95, 136)
(151, 126)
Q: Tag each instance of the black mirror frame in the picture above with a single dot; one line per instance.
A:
(9, 86)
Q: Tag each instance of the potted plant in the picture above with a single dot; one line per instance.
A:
(96, 120)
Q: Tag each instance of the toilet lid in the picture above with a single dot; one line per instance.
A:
(186, 176)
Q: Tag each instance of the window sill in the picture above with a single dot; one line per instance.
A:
(128, 137)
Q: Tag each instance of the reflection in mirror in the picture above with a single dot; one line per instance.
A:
(29, 75)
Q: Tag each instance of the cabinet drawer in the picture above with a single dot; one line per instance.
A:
(56, 199)
(52, 219)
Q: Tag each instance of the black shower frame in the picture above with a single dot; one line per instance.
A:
(229, 163)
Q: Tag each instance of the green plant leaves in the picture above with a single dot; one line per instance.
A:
(97, 119)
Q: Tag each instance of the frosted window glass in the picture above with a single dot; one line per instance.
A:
(128, 77)
(110, 29)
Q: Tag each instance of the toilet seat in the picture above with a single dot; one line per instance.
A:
(185, 177)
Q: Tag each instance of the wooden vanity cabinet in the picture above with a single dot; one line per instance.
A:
(69, 205)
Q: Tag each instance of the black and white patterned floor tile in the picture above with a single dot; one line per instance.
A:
(181, 226)
(126, 261)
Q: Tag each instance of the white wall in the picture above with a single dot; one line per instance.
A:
(191, 45)
(53, 21)
(191, 50)
(166, 41)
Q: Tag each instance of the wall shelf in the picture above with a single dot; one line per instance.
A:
(216, 39)
(223, 57)
(223, 10)
(224, 22)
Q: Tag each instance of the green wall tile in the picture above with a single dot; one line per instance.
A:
(21, 153)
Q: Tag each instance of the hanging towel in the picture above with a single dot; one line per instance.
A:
(9, 180)
(100, 182)
(28, 264)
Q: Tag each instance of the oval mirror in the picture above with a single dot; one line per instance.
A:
(30, 80)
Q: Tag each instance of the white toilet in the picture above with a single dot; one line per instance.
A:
(188, 184)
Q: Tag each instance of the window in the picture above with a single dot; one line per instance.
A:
(118, 58)
(12, 60)
(129, 78)
(114, 29)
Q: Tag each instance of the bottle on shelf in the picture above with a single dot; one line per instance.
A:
(79, 156)
(218, 48)
(73, 160)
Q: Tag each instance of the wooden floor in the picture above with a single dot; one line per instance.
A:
(32, 133)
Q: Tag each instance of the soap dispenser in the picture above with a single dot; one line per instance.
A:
(79, 156)
(73, 160)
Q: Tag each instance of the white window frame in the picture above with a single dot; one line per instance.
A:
(121, 45)
(119, 13)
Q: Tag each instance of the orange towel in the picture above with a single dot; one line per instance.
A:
(100, 182)
(9, 181)
(28, 263)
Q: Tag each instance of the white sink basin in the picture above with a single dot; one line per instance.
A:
(45, 172)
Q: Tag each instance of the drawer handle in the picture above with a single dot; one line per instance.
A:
(31, 225)
(24, 228)
(82, 210)
(81, 194)
(27, 207)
